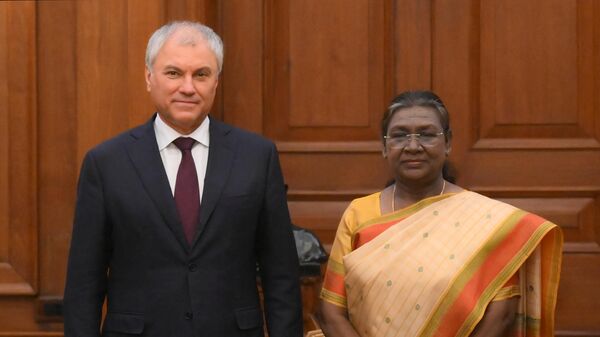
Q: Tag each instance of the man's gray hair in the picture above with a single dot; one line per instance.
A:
(161, 35)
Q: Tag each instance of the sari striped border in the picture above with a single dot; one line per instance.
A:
(464, 276)
(333, 289)
(513, 266)
(333, 298)
(532, 229)
(506, 293)
(553, 267)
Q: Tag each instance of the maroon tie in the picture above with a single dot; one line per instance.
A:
(187, 194)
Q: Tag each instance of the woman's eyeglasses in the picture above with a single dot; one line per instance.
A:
(401, 140)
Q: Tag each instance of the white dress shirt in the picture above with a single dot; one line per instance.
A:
(171, 155)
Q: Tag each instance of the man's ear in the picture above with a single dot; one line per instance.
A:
(147, 75)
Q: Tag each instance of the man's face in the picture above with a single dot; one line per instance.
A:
(183, 82)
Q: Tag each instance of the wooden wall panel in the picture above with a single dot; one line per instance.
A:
(101, 77)
(18, 181)
(540, 61)
(57, 134)
(329, 169)
(412, 35)
(4, 119)
(197, 10)
(306, 62)
(18, 262)
(243, 69)
(577, 305)
(329, 40)
(139, 29)
(533, 61)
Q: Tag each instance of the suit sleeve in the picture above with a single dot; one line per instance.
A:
(278, 259)
(88, 257)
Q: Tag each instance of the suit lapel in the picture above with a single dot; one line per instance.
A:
(145, 156)
(220, 158)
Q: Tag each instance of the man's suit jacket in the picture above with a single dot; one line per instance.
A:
(128, 243)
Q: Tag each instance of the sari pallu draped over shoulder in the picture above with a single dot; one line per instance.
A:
(434, 272)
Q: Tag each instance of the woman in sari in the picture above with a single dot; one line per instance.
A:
(424, 257)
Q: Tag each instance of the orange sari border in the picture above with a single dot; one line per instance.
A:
(511, 253)
(465, 290)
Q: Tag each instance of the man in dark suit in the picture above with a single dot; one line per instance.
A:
(173, 216)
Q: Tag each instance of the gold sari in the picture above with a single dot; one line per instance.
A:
(432, 268)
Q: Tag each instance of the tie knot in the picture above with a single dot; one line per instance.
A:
(184, 143)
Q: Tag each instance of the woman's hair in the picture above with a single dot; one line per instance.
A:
(420, 98)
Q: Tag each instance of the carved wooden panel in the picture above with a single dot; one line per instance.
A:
(536, 83)
(325, 80)
(412, 37)
(331, 168)
(57, 147)
(577, 307)
(313, 49)
(101, 77)
(243, 69)
(18, 222)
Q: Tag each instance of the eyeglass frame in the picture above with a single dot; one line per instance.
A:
(416, 136)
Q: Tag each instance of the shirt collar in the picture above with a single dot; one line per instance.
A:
(165, 134)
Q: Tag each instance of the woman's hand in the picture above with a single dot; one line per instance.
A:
(498, 318)
(334, 321)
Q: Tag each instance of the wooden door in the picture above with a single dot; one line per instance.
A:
(520, 79)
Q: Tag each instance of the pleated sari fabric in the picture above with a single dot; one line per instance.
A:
(432, 268)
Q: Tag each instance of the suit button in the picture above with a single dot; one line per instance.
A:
(192, 267)
(188, 316)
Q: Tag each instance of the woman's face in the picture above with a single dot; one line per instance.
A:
(416, 159)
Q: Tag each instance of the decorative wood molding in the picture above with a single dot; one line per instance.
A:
(330, 147)
(536, 144)
(315, 195)
(577, 333)
(537, 191)
(11, 283)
